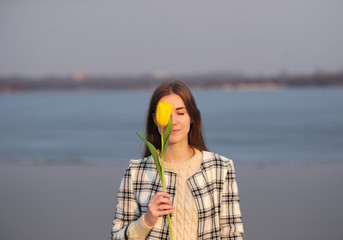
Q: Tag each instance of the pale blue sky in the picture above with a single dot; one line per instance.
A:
(60, 37)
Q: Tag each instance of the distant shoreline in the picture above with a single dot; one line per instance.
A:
(12, 84)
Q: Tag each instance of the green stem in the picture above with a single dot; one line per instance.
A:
(164, 186)
(163, 179)
(170, 227)
(168, 216)
(162, 144)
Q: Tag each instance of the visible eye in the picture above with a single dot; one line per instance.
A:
(180, 113)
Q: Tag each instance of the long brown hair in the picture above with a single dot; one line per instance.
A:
(195, 136)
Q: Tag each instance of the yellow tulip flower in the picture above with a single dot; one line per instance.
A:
(163, 113)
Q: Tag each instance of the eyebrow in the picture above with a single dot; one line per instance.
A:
(179, 108)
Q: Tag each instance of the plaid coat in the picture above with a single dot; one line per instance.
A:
(213, 186)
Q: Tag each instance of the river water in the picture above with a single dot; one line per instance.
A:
(302, 125)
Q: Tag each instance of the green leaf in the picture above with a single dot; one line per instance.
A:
(167, 135)
(160, 169)
(154, 154)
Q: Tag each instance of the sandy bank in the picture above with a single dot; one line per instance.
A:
(77, 202)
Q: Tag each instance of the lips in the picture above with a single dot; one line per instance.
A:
(176, 131)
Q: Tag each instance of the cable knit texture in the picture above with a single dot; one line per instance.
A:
(185, 216)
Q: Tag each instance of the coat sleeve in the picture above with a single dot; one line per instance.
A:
(127, 209)
(230, 213)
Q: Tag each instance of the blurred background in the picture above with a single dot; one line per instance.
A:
(75, 82)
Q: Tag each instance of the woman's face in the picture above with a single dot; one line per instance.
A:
(181, 119)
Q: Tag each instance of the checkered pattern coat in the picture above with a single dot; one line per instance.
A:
(213, 186)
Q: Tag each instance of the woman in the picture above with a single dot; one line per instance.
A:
(202, 195)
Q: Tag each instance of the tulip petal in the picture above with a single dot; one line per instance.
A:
(163, 113)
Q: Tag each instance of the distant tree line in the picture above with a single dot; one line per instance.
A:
(22, 84)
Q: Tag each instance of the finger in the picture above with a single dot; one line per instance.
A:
(165, 212)
(160, 194)
(163, 201)
(164, 207)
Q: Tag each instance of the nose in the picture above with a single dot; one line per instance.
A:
(174, 118)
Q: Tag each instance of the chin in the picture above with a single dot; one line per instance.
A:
(174, 140)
